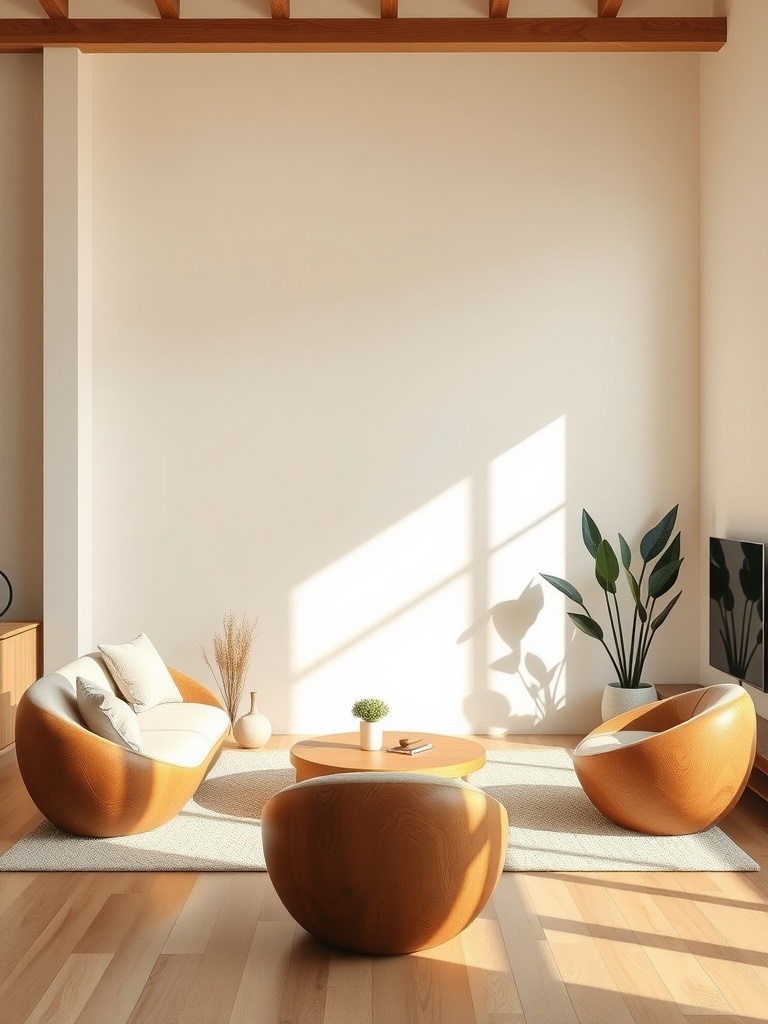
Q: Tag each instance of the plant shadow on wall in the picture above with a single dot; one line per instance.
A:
(512, 621)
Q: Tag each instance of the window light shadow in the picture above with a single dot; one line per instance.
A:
(383, 619)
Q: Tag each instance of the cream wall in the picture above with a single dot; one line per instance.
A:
(368, 334)
(734, 171)
(21, 352)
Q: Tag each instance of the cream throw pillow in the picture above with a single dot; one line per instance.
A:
(107, 715)
(140, 674)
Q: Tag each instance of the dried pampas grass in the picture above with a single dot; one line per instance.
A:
(232, 654)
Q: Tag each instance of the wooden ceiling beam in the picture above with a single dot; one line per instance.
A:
(280, 8)
(498, 8)
(55, 8)
(364, 35)
(168, 8)
(389, 8)
(608, 8)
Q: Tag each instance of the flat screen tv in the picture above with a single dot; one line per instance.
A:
(737, 610)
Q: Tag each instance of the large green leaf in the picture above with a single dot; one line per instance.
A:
(634, 589)
(663, 578)
(606, 563)
(654, 542)
(590, 533)
(670, 556)
(665, 612)
(564, 587)
(626, 553)
(587, 625)
(610, 588)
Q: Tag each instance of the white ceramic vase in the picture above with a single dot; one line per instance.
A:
(371, 735)
(618, 699)
(253, 729)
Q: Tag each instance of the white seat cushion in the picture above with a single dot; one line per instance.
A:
(610, 741)
(181, 734)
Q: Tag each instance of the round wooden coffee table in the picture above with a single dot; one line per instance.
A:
(450, 756)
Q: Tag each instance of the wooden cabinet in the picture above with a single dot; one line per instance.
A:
(20, 661)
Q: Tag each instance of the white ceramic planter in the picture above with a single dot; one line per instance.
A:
(618, 699)
(253, 729)
(371, 735)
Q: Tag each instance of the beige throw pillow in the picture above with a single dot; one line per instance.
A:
(107, 715)
(140, 674)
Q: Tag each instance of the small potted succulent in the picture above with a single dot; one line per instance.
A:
(370, 711)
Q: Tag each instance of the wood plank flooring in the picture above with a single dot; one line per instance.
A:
(550, 948)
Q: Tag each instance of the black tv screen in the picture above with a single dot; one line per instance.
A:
(736, 609)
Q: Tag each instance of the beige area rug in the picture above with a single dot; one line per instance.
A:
(553, 826)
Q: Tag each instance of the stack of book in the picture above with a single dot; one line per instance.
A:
(410, 747)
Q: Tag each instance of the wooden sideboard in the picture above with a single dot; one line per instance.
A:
(758, 780)
(21, 645)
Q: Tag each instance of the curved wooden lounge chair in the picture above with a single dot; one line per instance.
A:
(90, 786)
(674, 767)
(378, 862)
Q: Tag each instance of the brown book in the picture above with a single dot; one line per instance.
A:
(416, 748)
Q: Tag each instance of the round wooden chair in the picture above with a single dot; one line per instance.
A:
(379, 862)
(89, 786)
(674, 767)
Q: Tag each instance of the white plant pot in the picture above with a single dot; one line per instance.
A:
(254, 729)
(371, 735)
(618, 699)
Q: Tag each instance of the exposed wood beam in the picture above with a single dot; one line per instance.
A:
(389, 8)
(608, 8)
(168, 8)
(280, 8)
(364, 35)
(498, 8)
(55, 8)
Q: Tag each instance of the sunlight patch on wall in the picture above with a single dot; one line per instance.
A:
(443, 615)
(526, 526)
(526, 483)
(412, 661)
(387, 574)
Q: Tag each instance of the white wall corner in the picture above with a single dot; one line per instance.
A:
(67, 355)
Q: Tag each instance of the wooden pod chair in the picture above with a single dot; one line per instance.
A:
(674, 767)
(378, 862)
(90, 786)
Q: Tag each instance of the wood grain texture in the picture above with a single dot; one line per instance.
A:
(450, 756)
(498, 8)
(91, 787)
(364, 865)
(593, 937)
(280, 8)
(608, 8)
(365, 35)
(758, 779)
(682, 779)
(168, 8)
(388, 8)
(55, 8)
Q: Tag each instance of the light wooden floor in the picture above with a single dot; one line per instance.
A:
(551, 947)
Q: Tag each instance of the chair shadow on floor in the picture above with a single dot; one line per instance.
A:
(243, 795)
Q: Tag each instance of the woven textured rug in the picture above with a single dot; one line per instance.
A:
(553, 826)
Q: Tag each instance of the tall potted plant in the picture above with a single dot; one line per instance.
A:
(628, 646)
